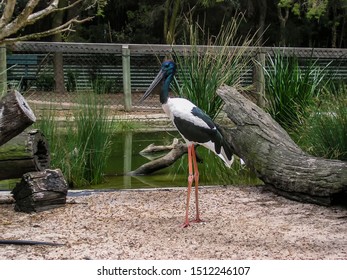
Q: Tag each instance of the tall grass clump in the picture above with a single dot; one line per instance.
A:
(325, 131)
(81, 149)
(201, 72)
(291, 90)
(92, 138)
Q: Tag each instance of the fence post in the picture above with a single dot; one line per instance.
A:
(3, 70)
(126, 77)
(259, 79)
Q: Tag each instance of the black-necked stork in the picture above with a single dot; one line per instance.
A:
(195, 127)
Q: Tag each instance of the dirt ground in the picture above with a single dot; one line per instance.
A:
(240, 223)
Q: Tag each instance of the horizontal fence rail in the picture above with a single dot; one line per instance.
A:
(121, 72)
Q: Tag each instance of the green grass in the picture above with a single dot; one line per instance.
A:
(308, 104)
(291, 90)
(201, 73)
(325, 131)
(82, 148)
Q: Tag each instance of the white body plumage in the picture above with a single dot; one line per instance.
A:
(180, 108)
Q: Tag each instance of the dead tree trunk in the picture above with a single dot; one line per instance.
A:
(15, 116)
(24, 153)
(277, 160)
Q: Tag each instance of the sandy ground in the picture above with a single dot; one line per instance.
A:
(240, 223)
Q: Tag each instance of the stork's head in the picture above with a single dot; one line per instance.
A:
(168, 67)
(167, 71)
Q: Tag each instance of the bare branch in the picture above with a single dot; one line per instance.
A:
(8, 12)
(20, 21)
(28, 18)
(53, 7)
(65, 27)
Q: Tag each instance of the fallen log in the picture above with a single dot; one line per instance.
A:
(15, 116)
(27, 152)
(39, 191)
(282, 165)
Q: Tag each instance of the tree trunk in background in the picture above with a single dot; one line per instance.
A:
(262, 9)
(283, 20)
(285, 169)
(3, 70)
(58, 20)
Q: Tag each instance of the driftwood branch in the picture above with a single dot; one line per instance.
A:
(281, 164)
(158, 148)
(178, 149)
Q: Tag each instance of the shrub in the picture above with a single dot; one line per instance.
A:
(291, 90)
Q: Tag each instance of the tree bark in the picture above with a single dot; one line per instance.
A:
(24, 153)
(15, 116)
(58, 62)
(39, 191)
(276, 159)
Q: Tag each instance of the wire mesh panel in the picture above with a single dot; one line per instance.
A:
(60, 72)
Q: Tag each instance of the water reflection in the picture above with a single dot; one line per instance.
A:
(128, 147)
(125, 157)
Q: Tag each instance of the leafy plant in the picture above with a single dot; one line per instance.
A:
(201, 73)
(102, 85)
(325, 132)
(82, 149)
(92, 139)
(45, 82)
(291, 90)
(71, 81)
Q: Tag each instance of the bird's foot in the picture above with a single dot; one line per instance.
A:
(185, 225)
(198, 220)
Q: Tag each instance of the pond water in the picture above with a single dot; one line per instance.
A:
(125, 157)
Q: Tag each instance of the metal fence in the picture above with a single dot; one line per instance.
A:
(118, 73)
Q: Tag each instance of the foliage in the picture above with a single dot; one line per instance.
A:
(311, 8)
(71, 81)
(82, 149)
(102, 85)
(325, 131)
(290, 90)
(201, 73)
(92, 141)
(45, 82)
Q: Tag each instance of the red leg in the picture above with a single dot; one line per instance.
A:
(190, 181)
(196, 178)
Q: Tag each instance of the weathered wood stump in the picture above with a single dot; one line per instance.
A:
(284, 168)
(15, 116)
(39, 191)
(27, 152)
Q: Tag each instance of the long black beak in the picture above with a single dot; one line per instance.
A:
(154, 84)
